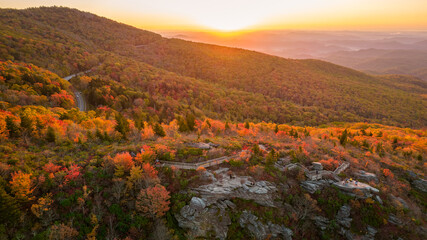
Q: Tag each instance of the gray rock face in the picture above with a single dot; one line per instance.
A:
(380, 201)
(420, 184)
(321, 222)
(366, 176)
(370, 235)
(411, 175)
(343, 216)
(200, 145)
(292, 166)
(197, 203)
(207, 176)
(394, 220)
(313, 186)
(263, 231)
(346, 233)
(398, 201)
(199, 219)
(261, 192)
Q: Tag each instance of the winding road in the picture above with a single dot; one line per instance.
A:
(81, 102)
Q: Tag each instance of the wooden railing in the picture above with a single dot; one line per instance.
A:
(204, 164)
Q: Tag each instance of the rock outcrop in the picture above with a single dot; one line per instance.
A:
(420, 184)
(312, 186)
(349, 186)
(366, 176)
(198, 219)
(260, 230)
(207, 176)
(398, 202)
(370, 233)
(394, 220)
(202, 145)
(321, 222)
(343, 216)
(262, 192)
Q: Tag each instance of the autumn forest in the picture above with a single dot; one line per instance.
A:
(108, 131)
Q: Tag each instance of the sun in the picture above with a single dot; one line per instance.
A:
(226, 22)
(225, 25)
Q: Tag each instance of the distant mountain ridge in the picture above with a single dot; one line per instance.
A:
(227, 83)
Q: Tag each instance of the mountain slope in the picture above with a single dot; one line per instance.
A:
(384, 61)
(67, 40)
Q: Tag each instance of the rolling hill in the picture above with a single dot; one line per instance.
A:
(176, 76)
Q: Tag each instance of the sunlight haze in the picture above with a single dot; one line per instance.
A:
(226, 15)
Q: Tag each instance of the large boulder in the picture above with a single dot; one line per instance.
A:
(398, 202)
(207, 176)
(366, 176)
(198, 219)
(262, 192)
(197, 203)
(420, 184)
(321, 222)
(313, 186)
(263, 231)
(201, 145)
(370, 233)
(343, 216)
(394, 220)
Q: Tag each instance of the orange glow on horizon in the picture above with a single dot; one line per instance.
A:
(228, 17)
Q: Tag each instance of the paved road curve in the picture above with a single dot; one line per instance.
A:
(81, 102)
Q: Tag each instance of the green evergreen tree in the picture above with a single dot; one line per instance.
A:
(343, 138)
(191, 122)
(106, 137)
(247, 125)
(182, 125)
(208, 123)
(9, 208)
(11, 127)
(99, 134)
(122, 125)
(256, 150)
(158, 130)
(50, 135)
(26, 122)
(276, 129)
(139, 123)
(227, 126)
(306, 132)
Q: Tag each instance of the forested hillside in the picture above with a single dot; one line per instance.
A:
(225, 83)
(68, 174)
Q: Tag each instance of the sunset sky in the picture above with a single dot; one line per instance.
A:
(232, 15)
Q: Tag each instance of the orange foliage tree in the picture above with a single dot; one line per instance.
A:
(123, 161)
(21, 185)
(146, 155)
(153, 201)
